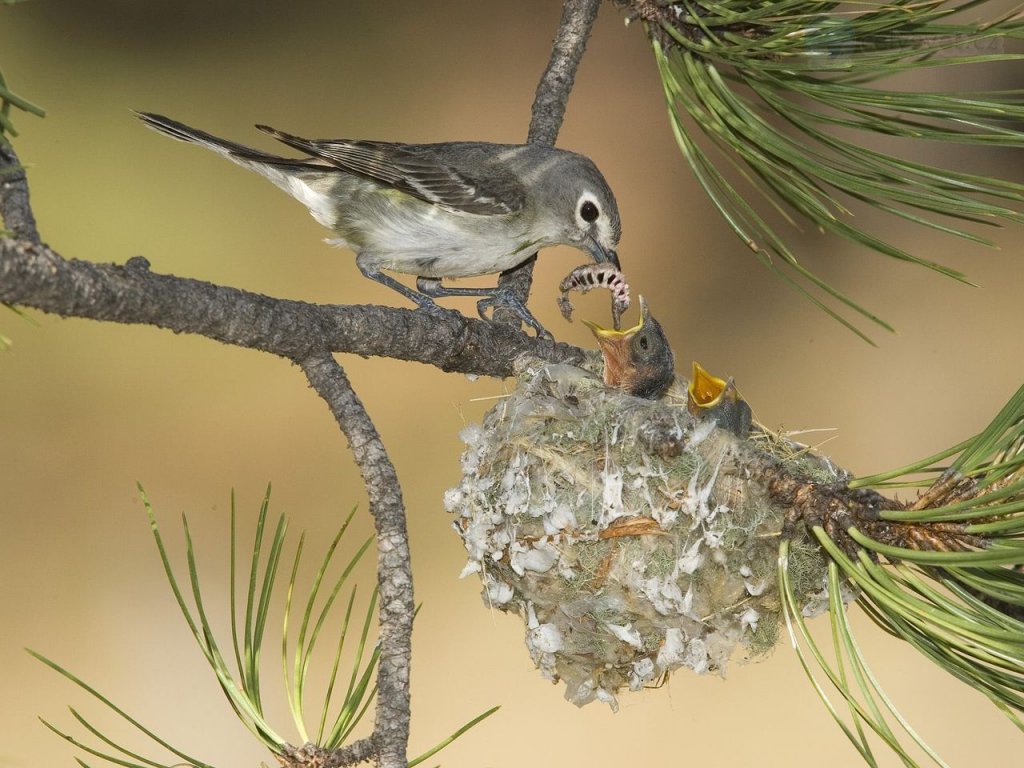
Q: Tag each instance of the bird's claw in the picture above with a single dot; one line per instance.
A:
(431, 307)
(507, 299)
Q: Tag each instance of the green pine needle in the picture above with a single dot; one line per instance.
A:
(960, 604)
(866, 700)
(306, 641)
(328, 695)
(358, 686)
(442, 744)
(241, 683)
(117, 710)
(10, 99)
(5, 341)
(788, 92)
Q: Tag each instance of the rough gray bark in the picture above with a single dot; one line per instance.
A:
(17, 210)
(34, 275)
(394, 567)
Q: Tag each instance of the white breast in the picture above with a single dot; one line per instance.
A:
(421, 239)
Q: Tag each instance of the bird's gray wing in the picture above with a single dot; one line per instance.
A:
(461, 177)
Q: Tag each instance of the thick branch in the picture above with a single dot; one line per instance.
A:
(549, 111)
(556, 83)
(33, 275)
(394, 570)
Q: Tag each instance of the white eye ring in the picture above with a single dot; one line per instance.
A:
(587, 210)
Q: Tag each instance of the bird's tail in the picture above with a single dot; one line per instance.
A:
(239, 153)
(302, 178)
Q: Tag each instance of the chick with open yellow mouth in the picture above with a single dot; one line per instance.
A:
(638, 360)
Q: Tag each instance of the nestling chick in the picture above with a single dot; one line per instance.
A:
(720, 400)
(639, 359)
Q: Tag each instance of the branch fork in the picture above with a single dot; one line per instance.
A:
(34, 275)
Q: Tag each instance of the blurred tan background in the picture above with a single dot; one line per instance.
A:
(88, 409)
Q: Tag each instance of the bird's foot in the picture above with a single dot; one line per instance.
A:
(492, 298)
(502, 297)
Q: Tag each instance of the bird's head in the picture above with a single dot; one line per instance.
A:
(710, 396)
(638, 360)
(580, 207)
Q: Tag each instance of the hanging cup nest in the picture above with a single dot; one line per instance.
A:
(632, 536)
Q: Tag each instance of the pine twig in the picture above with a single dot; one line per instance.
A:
(394, 570)
(548, 113)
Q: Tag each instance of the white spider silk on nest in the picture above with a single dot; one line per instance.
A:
(627, 560)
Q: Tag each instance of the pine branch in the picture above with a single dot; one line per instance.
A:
(394, 569)
(548, 112)
(34, 275)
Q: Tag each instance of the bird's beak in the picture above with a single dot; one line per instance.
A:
(601, 254)
(615, 348)
(719, 399)
(706, 391)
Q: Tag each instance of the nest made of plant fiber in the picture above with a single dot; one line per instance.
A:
(632, 537)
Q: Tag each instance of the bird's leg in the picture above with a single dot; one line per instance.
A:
(422, 300)
(431, 286)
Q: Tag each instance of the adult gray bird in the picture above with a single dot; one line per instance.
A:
(448, 210)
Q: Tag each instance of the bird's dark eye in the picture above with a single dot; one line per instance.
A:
(643, 342)
(589, 211)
